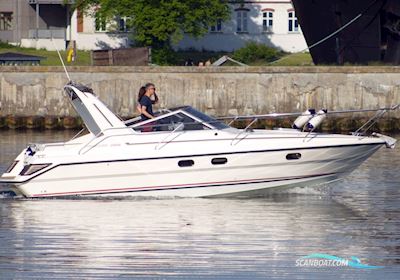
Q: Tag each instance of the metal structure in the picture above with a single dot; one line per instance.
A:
(372, 36)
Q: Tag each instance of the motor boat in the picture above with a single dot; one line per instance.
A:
(183, 153)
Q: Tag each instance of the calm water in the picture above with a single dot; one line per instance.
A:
(204, 238)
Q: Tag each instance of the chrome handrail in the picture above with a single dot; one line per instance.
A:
(181, 125)
(108, 136)
(244, 130)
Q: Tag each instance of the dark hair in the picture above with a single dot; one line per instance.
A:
(155, 99)
(142, 91)
(146, 86)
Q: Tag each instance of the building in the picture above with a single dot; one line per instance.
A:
(269, 22)
(33, 23)
(50, 23)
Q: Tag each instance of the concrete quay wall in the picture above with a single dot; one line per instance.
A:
(36, 92)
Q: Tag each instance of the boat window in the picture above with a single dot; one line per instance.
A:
(205, 118)
(293, 156)
(173, 122)
(217, 161)
(186, 163)
(11, 167)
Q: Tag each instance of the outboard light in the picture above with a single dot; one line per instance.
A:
(303, 119)
(317, 119)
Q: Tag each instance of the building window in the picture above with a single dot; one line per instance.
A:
(79, 21)
(217, 27)
(5, 21)
(121, 21)
(241, 19)
(268, 20)
(100, 22)
(293, 24)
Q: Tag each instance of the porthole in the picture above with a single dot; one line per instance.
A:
(217, 161)
(293, 156)
(185, 163)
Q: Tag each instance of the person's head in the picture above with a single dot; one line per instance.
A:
(150, 89)
(142, 92)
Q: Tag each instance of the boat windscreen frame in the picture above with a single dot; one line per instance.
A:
(190, 112)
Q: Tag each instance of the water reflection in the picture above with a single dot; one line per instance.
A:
(206, 238)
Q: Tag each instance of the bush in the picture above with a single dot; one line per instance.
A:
(254, 52)
(163, 56)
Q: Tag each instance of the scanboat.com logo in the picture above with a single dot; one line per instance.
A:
(325, 260)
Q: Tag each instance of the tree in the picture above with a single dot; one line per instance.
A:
(158, 23)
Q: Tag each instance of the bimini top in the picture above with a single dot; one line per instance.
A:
(179, 118)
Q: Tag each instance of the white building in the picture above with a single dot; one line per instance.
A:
(50, 24)
(94, 33)
(270, 22)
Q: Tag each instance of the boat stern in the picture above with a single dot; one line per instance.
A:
(22, 169)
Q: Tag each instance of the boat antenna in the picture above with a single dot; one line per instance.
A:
(62, 61)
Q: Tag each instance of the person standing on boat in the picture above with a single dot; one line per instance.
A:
(146, 103)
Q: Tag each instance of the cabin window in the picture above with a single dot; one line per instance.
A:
(293, 156)
(33, 168)
(293, 24)
(219, 161)
(186, 163)
(11, 167)
(268, 20)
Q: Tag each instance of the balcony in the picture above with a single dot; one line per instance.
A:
(47, 34)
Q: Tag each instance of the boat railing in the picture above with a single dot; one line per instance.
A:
(243, 131)
(379, 112)
(164, 140)
(368, 124)
(254, 118)
(132, 131)
(101, 133)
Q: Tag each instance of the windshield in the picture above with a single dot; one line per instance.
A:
(205, 118)
(175, 119)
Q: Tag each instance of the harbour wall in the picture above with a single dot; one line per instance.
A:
(32, 96)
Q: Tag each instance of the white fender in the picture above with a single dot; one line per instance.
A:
(317, 119)
(303, 119)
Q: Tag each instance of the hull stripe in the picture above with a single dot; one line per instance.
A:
(181, 186)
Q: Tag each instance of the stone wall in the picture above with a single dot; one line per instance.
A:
(37, 91)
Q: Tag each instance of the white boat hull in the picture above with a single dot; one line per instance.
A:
(244, 172)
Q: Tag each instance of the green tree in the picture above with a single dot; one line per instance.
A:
(158, 23)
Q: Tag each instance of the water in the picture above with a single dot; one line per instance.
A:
(204, 238)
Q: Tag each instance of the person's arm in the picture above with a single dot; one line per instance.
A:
(144, 112)
(139, 108)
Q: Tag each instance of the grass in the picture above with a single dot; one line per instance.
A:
(51, 57)
(294, 59)
(83, 57)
